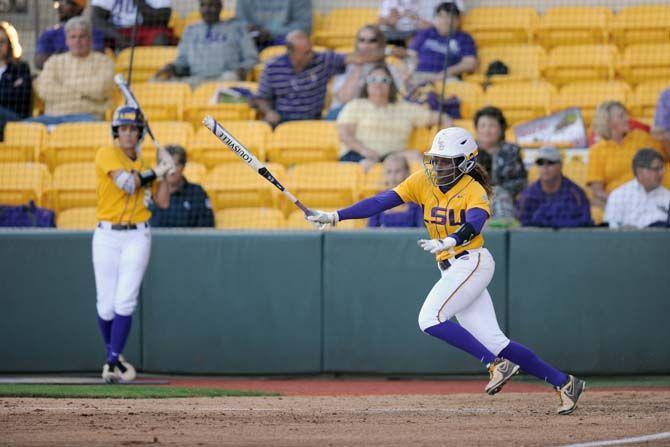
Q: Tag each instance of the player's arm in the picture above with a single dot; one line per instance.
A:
(360, 210)
(475, 218)
(130, 181)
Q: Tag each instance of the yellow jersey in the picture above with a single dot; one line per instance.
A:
(444, 212)
(114, 204)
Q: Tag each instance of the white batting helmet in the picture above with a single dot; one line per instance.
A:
(453, 153)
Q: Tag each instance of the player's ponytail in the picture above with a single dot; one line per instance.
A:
(482, 177)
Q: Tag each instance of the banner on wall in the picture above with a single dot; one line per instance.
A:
(563, 129)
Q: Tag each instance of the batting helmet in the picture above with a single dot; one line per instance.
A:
(453, 153)
(127, 115)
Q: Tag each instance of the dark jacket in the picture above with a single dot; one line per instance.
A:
(16, 89)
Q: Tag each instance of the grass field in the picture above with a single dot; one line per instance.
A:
(119, 391)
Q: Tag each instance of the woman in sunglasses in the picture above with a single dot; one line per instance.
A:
(378, 123)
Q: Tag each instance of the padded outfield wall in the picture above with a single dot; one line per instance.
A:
(593, 302)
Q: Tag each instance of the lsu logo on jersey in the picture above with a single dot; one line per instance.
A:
(442, 216)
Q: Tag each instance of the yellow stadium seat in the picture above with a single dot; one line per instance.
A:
(146, 62)
(574, 25)
(161, 101)
(524, 63)
(74, 186)
(641, 24)
(235, 185)
(201, 103)
(575, 169)
(209, 150)
(521, 101)
(468, 125)
(501, 25)
(250, 219)
(421, 138)
(580, 63)
(195, 172)
(470, 95)
(77, 219)
(195, 17)
(340, 25)
(372, 181)
(324, 185)
(296, 221)
(167, 133)
(645, 62)
(644, 99)
(23, 142)
(588, 95)
(177, 24)
(22, 182)
(303, 141)
(76, 142)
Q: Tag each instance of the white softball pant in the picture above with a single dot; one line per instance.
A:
(462, 292)
(120, 258)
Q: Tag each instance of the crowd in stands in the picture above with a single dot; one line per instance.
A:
(376, 92)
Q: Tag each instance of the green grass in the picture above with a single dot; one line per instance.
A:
(119, 391)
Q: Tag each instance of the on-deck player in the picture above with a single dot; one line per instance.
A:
(454, 193)
(122, 241)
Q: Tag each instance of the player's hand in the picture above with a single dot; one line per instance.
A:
(436, 246)
(321, 219)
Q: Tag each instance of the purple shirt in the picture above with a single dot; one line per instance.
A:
(662, 116)
(52, 41)
(431, 48)
(410, 215)
(568, 207)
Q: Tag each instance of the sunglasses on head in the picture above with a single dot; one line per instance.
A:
(543, 162)
(379, 80)
(370, 40)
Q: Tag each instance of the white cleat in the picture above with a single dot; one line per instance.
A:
(501, 371)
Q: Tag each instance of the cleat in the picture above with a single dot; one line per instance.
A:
(569, 394)
(500, 372)
(109, 374)
(126, 370)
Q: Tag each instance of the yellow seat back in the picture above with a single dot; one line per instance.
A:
(340, 25)
(645, 62)
(22, 182)
(521, 101)
(588, 95)
(76, 142)
(77, 219)
(501, 25)
(167, 133)
(235, 185)
(303, 142)
(250, 219)
(641, 24)
(524, 63)
(74, 185)
(644, 99)
(202, 103)
(161, 101)
(325, 185)
(574, 25)
(470, 95)
(23, 142)
(146, 62)
(195, 172)
(209, 150)
(580, 63)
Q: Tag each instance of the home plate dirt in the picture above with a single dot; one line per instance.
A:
(456, 419)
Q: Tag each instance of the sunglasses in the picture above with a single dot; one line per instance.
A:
(654, 168)
(370, 40)
(545, 162)
(378, 80)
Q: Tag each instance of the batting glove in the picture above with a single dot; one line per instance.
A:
(436, 246)
(321, 219)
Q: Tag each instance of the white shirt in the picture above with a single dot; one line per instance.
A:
(631, 205)
(412, 10)
(123, 11)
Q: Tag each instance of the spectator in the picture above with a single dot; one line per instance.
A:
(15, 81)
(212, 49)
(189, 204)
(116, 19)
(270, 21)
(661, 128)
(52, 40)
(400, 19)
(396, 169)
(430, 47)
(378, 123)
(610, 158)
(77, 85)
(348, 85)
(641, 202)
(293, 86)
(502, 204)
(507, 169)
(553, 201)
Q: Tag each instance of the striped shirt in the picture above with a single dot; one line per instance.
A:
(299, 96)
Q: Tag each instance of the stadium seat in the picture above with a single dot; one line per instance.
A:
(176, 22)
(575, 169)
(77, 219)
(641, 24)
(645, 62)
(209, 150)
(501, 25)
(303, 141)
(74, 186)
(421, 138)
(161, 101)
(23, 142)
(588, 95)
(521, 101)
(324, 185)
(146, 62)
(372, 181)
(340, 26)
(250, 218)
(470, 95)
(296, 221)
(22, 182)
(76, 142)
(167, 133)
(201, 103)
(468, 125)
(574, 25)
(195, 17)
(580, 63)
(524, 63)
(235, 185)
(644, 99)
(195, 172)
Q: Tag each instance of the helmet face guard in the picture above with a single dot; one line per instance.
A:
(445, 171)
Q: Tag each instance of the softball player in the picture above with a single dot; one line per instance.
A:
(454, 193)
(122, 241)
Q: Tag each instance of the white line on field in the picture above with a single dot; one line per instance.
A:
(645, 438)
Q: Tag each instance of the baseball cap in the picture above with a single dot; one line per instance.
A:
(548, 153)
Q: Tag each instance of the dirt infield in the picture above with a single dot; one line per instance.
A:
(324, 413)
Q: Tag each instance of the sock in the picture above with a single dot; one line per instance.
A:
(120, 331)
(532, 364)
(105, 327)
(457, 336)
